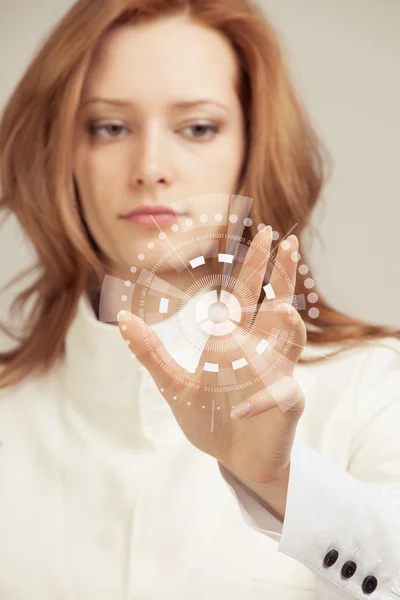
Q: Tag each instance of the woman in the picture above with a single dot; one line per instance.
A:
(118, 463)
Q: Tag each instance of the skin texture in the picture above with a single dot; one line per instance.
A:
(147, 153)
(154, 154)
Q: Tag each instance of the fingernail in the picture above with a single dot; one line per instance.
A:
(241, 411)
(267, 229)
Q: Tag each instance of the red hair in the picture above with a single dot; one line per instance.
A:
(284, 168)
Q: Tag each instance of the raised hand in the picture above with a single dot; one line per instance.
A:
(254, 439)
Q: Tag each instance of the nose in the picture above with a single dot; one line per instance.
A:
(150, 178)
(151, 166)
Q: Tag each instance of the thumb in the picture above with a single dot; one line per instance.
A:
(145, 344)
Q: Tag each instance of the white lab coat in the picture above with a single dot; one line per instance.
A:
(103, 498)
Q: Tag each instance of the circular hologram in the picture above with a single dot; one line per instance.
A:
(218, 313)
(214, 311)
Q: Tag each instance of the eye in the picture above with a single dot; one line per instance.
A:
(113, 128)
(201, 128)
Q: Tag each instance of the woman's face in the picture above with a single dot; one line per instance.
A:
(159, 124)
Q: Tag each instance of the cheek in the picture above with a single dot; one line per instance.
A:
(83, 170)
(97, 165)
(93, 197)
(214, 190)
(95, 181)
(226, 164)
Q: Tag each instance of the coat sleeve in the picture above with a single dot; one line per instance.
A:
(344, 525)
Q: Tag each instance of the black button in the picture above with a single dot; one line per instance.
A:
(331, 558)
(348, 569)
(369, 584)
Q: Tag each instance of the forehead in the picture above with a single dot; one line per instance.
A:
(165, 57)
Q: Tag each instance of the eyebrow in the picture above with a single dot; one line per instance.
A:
(179, 105)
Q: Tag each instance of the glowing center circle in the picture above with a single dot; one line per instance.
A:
(218, 312)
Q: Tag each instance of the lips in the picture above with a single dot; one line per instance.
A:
(152, 216)
(150, 210)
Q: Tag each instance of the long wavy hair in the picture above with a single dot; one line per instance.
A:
(285, 166)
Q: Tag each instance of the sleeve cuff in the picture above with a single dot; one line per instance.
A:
(328, 510)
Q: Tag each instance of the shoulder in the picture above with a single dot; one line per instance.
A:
(378, 380)
(369, 360)
(352, 379)
(382, 354)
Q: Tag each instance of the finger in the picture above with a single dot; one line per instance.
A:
(283, 347)
(286, 394)
(283, 344)
(283, 276)
(293, 334)
(282, 283)
(255, 263)
(145, 344)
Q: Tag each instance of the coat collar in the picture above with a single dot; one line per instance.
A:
(108, 387)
